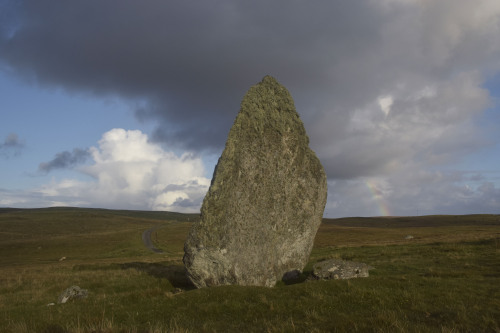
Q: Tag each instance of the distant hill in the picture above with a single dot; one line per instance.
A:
(416, 221)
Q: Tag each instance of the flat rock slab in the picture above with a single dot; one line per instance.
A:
(73, 292)
(266, 200)
(337, 269)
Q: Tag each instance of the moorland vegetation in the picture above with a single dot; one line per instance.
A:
(445, 278)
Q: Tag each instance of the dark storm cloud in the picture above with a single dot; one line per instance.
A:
(193, 61)
(11, 146)
(65, 159)
(189, 63)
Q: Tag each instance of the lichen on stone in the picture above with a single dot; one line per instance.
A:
(266, 199)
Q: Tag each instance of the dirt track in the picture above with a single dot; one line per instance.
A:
(146, 239)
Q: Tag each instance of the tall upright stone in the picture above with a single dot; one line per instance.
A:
(266, 200)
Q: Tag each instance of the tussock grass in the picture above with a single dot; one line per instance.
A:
(445, 279)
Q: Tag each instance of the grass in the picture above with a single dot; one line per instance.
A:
(445, 279)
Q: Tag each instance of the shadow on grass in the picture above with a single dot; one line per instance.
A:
(175, 274)
(295, 278)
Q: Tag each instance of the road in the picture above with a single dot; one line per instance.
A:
(146, 239)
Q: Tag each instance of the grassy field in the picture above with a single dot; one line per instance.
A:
(444, 279)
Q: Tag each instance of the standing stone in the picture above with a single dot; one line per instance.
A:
(266, 200)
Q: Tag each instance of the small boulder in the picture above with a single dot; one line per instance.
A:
(73, 292)
(337, 269)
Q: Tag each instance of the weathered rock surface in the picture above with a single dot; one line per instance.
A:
(72, 292)
(266, 200)
(337, 269)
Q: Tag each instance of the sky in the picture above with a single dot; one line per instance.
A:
(126, 104)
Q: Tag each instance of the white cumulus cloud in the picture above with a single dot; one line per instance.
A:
(130, 172)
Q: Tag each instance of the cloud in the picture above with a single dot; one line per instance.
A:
(130, 172)
(191, 64)
(422, 127)
(418, 193)
(11, 146)
(65, 159)
(385, 88)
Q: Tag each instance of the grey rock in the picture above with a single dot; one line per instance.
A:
(337, 269)
(72, 292)
(266, 200)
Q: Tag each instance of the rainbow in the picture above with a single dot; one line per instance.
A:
(378, 197)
